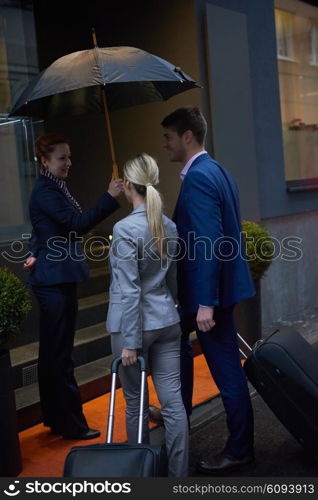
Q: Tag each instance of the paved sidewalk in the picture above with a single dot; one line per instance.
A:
(277, 453)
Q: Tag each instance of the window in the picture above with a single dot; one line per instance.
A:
(297, 52)
(314, 44)
(18, 63)
(17, 175)
(284, 29)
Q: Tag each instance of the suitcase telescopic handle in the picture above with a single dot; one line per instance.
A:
(117, 361)
(114, 369)
(249, 348)
(246, 345)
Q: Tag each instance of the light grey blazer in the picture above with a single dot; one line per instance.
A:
(143, 287)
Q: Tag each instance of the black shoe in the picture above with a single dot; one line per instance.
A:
(222, 462)
(90, 434)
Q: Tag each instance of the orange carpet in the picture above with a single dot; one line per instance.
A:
(44, 454)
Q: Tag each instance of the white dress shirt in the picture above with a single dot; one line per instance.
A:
(185, 169)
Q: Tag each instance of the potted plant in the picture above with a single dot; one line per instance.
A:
(259, 253)
(14, 305)
(259, 248)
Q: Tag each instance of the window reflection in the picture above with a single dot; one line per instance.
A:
(297, 52)
(18, 64)
(284, 33)
(314, 44)
(17, 175)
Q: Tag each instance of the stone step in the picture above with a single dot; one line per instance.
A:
(92, 294)
(91, 340)
(92, 309)
(93, 378)
(98, 282)
(90, 344)
(98, 257)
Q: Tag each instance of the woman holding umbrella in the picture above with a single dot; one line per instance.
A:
(142, 317)
(57, 265)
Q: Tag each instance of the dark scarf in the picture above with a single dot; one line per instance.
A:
(61, 184)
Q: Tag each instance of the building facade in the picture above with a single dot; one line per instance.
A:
(257, 62)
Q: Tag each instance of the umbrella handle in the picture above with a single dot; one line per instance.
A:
(115, 170)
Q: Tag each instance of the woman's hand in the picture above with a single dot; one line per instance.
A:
(29, 263)
(116, 187)
(129, 357)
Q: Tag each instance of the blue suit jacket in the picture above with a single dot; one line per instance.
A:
(56, 224)
(212, 269)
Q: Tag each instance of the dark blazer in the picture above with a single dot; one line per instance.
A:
(212, 269)
(57, 223)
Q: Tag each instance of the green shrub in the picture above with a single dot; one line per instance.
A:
(15, 303)
(259, 248)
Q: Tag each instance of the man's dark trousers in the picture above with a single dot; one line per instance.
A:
(220, 348)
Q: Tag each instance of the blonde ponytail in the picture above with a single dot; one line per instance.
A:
(143, 172)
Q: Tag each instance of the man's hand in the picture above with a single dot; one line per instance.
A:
(116, 187)
(29, 263)
(129, 357)
(205, 319)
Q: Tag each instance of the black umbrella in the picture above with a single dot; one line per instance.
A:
(101, 79)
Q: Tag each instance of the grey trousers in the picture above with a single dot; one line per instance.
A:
(161, 350)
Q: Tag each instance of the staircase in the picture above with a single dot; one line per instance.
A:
(92, 352)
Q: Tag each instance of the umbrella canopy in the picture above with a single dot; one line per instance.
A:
(101, 79)
(74, 83)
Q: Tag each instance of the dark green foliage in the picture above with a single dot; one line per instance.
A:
(259, 248)
(15, 303)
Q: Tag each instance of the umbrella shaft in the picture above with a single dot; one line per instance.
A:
(110, 137)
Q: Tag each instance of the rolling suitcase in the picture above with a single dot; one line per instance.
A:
(283, 368)
(118, 459)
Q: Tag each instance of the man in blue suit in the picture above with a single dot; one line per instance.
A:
(213, 276)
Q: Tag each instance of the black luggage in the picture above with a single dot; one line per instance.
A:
(283, 368)
(118, 459)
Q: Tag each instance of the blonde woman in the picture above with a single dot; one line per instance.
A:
(142, 317)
